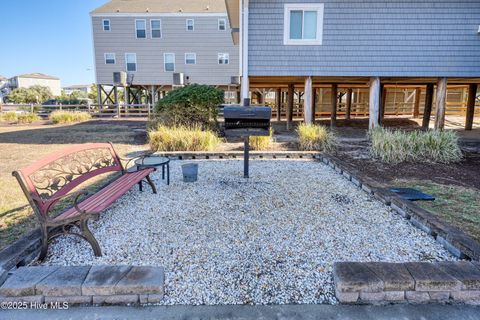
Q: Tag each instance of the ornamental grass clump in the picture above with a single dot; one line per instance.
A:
(27, 117)
(261, 142)
(182, 138)
(416, 146)
(10, 116)
(314, 137)
(60, 116)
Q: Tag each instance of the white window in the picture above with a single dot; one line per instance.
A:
(303, 24)
(169, 61)
(106, 24)
(141, 29)
(190, 58)
(222, 24)
(156, 28)
(131, 62)
(190, 24)
(223, 58)
(109, 58)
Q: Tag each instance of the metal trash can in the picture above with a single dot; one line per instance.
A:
(190, 172)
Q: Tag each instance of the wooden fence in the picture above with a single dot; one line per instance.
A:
(107, 110)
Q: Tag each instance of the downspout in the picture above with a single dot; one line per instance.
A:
(244, 47)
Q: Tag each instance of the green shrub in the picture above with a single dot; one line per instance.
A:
(27, 117)
(191, 105)
(261, 142)
(315, 138)
(10, 116)
(182, 138)
(60, 116)
(416, 146)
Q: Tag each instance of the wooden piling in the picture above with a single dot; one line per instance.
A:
(472, 96)
(440, 102)
(333, 110)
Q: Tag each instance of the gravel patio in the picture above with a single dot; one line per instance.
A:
(271, 239)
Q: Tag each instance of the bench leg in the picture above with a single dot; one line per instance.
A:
(90, 238)
(150, 182)
(44, 249)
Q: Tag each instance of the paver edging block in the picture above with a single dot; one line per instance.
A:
(65, 281)
(101, 280)
(413, 282)
(23, 281)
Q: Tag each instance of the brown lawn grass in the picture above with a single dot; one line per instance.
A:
(22, 145)
(459, 206)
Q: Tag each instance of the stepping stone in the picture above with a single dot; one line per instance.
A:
(23, 281)
(142, 280)
(464, 271)
(66, 281)
(430, 278)
(101, 280)
(395, 276)
(355, 277)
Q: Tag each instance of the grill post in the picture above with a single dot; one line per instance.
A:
(246, 156)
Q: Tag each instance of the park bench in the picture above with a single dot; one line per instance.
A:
(55, 176)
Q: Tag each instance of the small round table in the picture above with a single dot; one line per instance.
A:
(154, 162)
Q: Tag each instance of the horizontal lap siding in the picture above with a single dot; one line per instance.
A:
(206, 41)
(371, 38)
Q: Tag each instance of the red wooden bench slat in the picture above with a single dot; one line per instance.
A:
(108, 195)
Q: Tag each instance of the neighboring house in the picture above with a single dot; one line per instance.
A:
(4, 89)
(374, 45)
(156, 41)
(36, 79)
(83, 88)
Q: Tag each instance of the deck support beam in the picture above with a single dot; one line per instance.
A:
(416, 106)
(349, 104)
(374, 103)
(308, 101)
(383, 101)
(334, 99)
(99, 94)
(314, 104)
(427, 111)
(472, 96)
(115, 97)
(440, 102)
(278, 102)
(290, 97)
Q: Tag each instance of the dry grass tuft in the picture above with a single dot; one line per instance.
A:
(316, 138)
(59, 116)
(182, 138)
(416, 146)
(261, 143)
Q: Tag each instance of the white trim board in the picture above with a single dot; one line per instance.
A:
(159, 14)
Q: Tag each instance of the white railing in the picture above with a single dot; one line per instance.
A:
(105, 110)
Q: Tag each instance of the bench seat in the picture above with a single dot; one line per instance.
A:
(106, 196)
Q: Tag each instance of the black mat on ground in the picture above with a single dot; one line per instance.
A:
(412, 194)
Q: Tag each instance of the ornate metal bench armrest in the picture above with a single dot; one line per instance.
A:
(128, 160)
(53, 200)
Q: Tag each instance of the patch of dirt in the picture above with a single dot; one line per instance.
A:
(465, 173)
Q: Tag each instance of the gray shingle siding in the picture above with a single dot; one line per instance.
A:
(206, 41)
(395, 38)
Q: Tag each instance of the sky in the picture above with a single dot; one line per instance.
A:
(48, 36)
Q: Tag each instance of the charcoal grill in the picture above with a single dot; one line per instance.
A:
(246, 121)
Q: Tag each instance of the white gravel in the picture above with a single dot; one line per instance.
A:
(271, 239)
